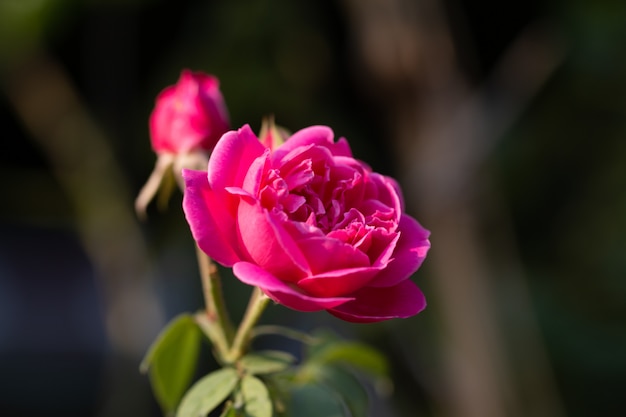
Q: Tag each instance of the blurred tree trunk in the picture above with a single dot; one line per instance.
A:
(442, 130)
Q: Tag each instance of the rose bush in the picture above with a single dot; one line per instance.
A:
(307, 223)
(189, 115)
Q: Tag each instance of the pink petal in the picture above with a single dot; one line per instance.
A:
(269, 244)
(212, 226)
(232, 156)
(282, 292)
(214, 123)
(338, 283)
(291, 161)
(208, 84)
(161, 120)
(342, 148)
(317, 135)
(398, 191)
(205, 107)
(377, 304)
(379, 245)
(254, 176)
(301, 174)
(326, 254)
(314, 135)
(385, 190)
(409, 254)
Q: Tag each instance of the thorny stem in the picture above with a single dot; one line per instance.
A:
(282, 331)
(216, 322)
(218, 326)
(258, 302)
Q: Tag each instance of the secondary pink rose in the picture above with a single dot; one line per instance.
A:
(310, 225)
(188, 116)
(186, 123)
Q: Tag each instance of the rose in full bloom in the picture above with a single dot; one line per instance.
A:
(310, 225)
(188, 115)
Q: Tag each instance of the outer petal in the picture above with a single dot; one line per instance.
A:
(377, 304)
(215, 121)
(385, 190)
(232, 156)
(189, 115)
(409, 253)
(212, 226)
(314, 135)
(254, 177)
(282, 292)
(338, 283)
(398, 190)
(161, 119)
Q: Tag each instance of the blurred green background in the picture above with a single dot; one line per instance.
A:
(505, 124)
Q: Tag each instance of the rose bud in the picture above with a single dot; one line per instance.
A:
(186, 123)
(188, 116)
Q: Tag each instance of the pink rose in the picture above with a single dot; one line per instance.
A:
(310, 225)
(188, 116)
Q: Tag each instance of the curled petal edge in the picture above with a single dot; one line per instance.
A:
(378, 304)
(408, 256)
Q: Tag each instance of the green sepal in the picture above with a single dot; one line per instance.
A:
(166, 189)
(208, 392)
(171, 361)
(271, 135)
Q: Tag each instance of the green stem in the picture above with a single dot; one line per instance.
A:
(218, 326)
(256, 305)
(283, 331)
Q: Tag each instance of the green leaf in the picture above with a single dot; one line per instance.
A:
(266, 362)
(171, 361)
(257, 401)
(347, 386)
(312, 400)
(357, 355)
(208, 393)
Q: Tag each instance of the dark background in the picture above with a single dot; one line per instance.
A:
(525, 197)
